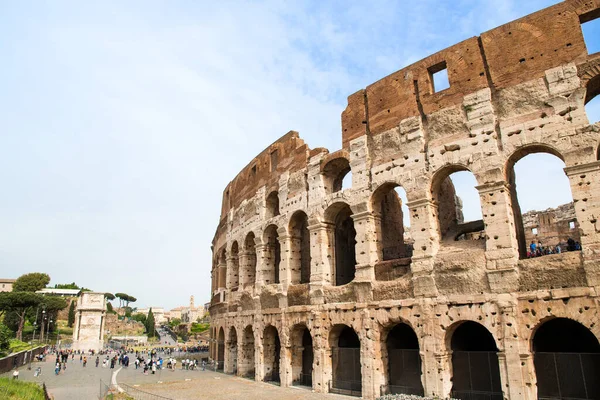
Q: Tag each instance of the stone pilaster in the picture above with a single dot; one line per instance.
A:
(321, 254)
(501, 237)
(366, 246)
(260, 265)
(426, 236)
(285, 246)
(585, 186)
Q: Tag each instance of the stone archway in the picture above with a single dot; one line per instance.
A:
(567, 360)
(302, 356)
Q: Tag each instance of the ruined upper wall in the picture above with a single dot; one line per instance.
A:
(513, 53)
(288, 153)
(500, 59)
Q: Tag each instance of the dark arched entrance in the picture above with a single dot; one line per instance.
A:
(220, 350)
(567, 361)
(272, 354)
(475, 368)
(345, 358)
(302, 356)
(403, 361)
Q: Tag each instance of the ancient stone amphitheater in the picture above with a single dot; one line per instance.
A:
(320, 285)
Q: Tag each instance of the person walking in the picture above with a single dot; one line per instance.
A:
(16, 374)
(57, 369)
(97, 361)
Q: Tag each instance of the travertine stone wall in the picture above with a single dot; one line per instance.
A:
(515, 90)
(90, 314)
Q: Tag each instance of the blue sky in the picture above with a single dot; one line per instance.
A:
(122, 122)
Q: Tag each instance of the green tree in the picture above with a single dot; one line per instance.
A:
(150, 323)
(109, 296)
(139, 317)
(5, 336)
(174, 322)
(71, 318)
(71, 285)
(17, 305)
(31, 282)
(109, 308)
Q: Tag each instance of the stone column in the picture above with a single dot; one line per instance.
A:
(502, 247)
(321, 258)
(585, 186)
(370, 358)
(366, 245)
(232, 273)
(423, 228)
(260, 265)
(514, 374)
(285, 277)
(322, 372)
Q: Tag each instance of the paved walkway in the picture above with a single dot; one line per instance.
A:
(79, 383)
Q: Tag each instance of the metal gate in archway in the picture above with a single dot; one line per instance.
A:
(476, 376)
(567, 376)
(347, 377)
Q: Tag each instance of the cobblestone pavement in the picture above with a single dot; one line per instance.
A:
(83, 383)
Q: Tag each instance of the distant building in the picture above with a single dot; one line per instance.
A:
(158, 312)
(60, 292)
(192, 313)
(6, 285)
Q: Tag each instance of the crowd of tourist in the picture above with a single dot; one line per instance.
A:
(538, 250)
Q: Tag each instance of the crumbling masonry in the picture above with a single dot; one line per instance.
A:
(313, 284)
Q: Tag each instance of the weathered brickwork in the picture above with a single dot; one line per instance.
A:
(318, 284)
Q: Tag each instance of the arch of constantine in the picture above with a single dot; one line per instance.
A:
(321, 284)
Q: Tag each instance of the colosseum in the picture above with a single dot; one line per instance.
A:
(320, 284)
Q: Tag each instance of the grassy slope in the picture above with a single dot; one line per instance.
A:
(19, 390)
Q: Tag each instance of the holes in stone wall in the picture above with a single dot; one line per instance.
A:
(235, 266)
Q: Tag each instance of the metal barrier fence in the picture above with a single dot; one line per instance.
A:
(138, 394)
(399, 389)
(349, 388)
(303, 380)
(562, 376)
(476, 376)
(105, 389)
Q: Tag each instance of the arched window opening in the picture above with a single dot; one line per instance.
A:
(403, 361)
(232, 352)
(345, 356)
(300, 248)
(272, 205)
(543, 207)
(334, 174)
(302, 356)
(344, 240)
(592, 100)
(235, 266)
(459, 207)
(249, 266)
(246, 364)
(567, 360)
(222, 275)
(475, 368)
(391, 213)
(272, 354)
(220, 350)
(272, 254)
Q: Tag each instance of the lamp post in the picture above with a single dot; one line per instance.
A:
(48, 331)
(43, 318)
